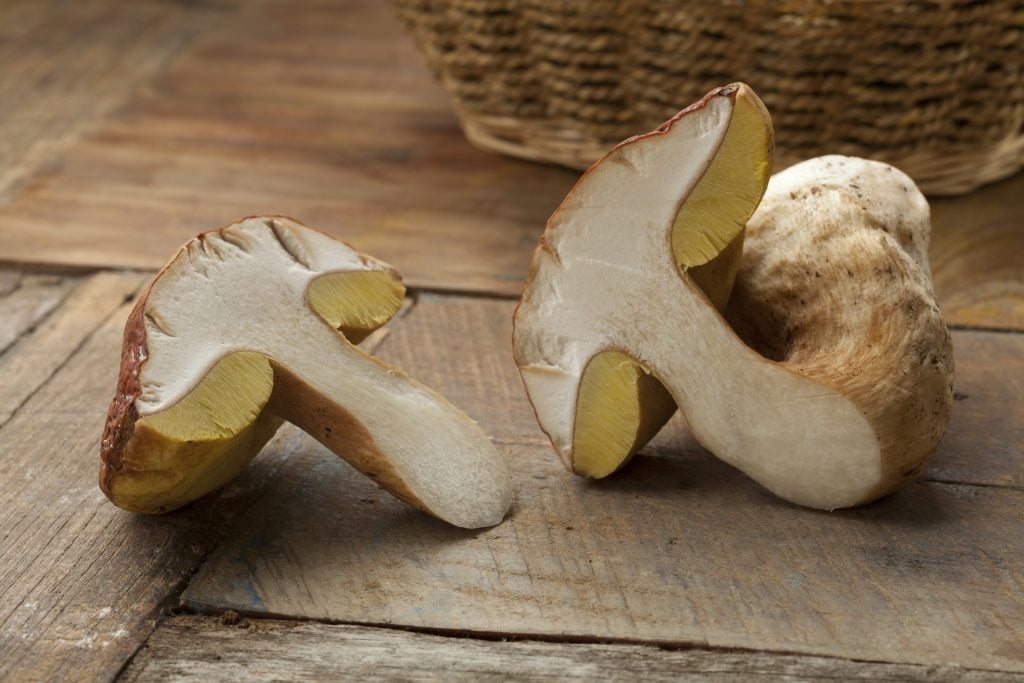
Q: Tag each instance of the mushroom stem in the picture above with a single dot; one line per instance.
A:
(752, 413)
(392, 428)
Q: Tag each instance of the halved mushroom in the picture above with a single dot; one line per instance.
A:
(254, 324)
(618, 320)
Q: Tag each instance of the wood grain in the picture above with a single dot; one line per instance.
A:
(985, 440)
(977, 256)
(321, 110)
(462, 347)
(66, 65)
(677, 549)
(26, 299)
(81, 582)
(130, 126)
(36, 356)
(189, 648)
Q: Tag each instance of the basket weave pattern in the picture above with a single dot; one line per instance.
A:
(935, 87)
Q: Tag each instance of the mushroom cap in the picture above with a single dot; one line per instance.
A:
(603, 249)
(246, 270)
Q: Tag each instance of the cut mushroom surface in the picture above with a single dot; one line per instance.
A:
(620, 315)
(254, 324)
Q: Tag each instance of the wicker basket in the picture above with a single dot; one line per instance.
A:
(935, 87)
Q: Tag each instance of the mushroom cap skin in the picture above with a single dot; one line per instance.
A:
(254, 324)
(603, 279)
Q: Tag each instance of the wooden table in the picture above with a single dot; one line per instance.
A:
(127, 127)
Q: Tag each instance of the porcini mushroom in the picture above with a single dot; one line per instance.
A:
(254, 324)
(620, 317)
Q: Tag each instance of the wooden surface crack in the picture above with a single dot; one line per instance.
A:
(981, 328)
(200, 648)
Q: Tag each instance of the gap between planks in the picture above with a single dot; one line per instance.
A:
(225, 616)
(659, 450)
(188, 648)
(957, 327)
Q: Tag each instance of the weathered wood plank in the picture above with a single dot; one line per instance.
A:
(686, 552)
(38, 355)
(81, 582)
(320, 110)
(985, 440)
(10, 279)
(67, 65)
(26, 299)
(324, 111)
(977, 256)
(189, 648)
(462, 347)
(678, 548)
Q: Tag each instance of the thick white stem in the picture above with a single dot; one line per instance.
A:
(800, 439)
(443, 459)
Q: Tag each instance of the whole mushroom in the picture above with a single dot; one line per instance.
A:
(829, 378)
